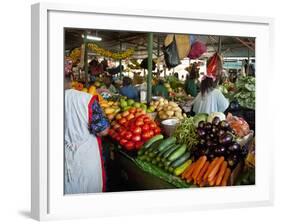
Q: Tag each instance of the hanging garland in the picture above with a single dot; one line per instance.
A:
(106, 53)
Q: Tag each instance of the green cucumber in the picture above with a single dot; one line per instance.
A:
(152, 140)
(149, 143)
(169, 152)
(160, 154)
(177, 153)
(160, 165)
(181, 160)
(167, 142)
(153, 161)
(154, 146)
(142, 157)
(180, 169)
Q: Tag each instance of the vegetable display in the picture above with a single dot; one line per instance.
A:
(245, 92)
(217, 138)
(186, 133)
(205, 173)
(238, 124)
(167, 109)
(134, 129)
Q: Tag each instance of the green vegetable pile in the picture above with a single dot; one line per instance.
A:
(186, 133)
(245, 92)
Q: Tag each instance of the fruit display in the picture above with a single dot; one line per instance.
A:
(208, 173)
(110, 108)
(126, 104)
(166, 154)
(217, 138)
(133, 128)
(167, 109)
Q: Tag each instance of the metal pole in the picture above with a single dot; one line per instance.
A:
(149, 69)
(86, 59)
(120, 61)
(158, 54)
(219, 45)
(248, 65)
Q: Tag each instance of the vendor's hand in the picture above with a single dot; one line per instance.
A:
(104, 132)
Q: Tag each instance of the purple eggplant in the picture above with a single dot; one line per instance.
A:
(209, 143)
(216, 121)
(220, 132)
(201, 124)
(208, 126)
(201, 132)
(224, 125)
(235, 147)
(232, 160)
(225, 139)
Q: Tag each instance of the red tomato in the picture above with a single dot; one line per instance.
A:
(121, 129)
(146, 120)
(136, 129)
(122, 134)
(130, 116)
(128, 135)
(118, 137)
(123, 141)
(122, 121)
(116, 126)
(153, 126)
(145, 136)
(139, 123)
(145, 127)
(133, 110)
(136, 137)
(138, 145)
(111, 132)
(151, 133)
(157, 130)
(129, 145)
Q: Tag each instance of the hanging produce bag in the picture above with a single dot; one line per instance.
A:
(197, 49)
(182, 41)
(214, 66)
(171, 55)
(144, 64)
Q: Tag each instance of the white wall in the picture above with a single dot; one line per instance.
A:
(15, 111)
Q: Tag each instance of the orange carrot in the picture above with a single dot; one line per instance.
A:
(216, 168)
(221, 173)
(202, 172)
(186, 170)
(189, 172)
(212, 164)
(200, 163)
(225, 177)
(202, 183)
(213, 181)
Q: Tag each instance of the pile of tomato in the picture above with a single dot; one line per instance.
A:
(133, 128)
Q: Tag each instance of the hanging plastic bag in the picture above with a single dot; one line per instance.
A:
(144, 64)
(171, 54)
(182, 41)
(197, 49)
(214, 66)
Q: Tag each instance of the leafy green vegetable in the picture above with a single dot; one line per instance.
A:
(245, 92)
(186, 133)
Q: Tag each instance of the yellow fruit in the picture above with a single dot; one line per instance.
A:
(85, 90)
(118, 117)
(109, 110)
(110, 116)
(110, 103)
(92, 90)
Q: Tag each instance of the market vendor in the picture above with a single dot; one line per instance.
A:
(190, 85)
(84, 126)
(160, 89)
(209, 99)
(128, 89)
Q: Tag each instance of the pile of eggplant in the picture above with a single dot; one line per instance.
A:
(217, 138)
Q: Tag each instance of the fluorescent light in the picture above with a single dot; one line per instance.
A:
(90, 37)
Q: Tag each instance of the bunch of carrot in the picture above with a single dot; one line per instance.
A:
(203, 173)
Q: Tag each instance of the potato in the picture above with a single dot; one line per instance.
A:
(163, 117)
(170, 113)
(169, 108)
(173, 104)
(178, 114)
(159, 108)
(166, 102)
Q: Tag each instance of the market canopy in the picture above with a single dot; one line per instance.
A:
(122, 40)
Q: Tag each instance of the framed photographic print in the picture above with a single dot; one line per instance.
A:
(162, 111)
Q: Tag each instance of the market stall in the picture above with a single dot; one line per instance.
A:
(157, 142)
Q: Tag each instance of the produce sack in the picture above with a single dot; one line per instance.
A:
(182, 41)
(214, 66)
(171, 55)
(197, 49)
(144, 64)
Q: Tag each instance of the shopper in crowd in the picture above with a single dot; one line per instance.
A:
(209, 99)
(109, 85)
(160, 89)
(85, 123)
(190, 85)
(128, 89)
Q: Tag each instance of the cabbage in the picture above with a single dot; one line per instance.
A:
(199, 117)
(216, 114)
